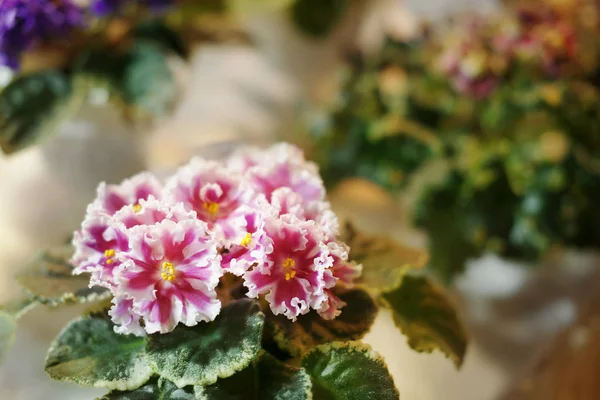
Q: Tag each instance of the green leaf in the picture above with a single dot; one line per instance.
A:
(161, 34)
(384, 261)
(140, 77)
(88, 352)
(50, 281)
(8, 328)
(147, 83)
(31, 107)
(156, 389)
(348, 371)
(424, 314)
(267, 378)
(19, 307)
(311, 330)
(318, 17)
(201, 354)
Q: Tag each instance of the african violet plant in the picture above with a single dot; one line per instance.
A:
(57, 54)
(231, 280)
(490, 122)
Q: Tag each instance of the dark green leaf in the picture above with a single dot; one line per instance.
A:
(267, 378)
(8, 328)
(424, 314)
(318, 17)
(32, 106)
(349, 371)
(310, 330)
(88, 352)
(161, 34)
(49, 279)
(200, 355)
(147, 83)
(156, 389)
(384, 260)
(139, 77)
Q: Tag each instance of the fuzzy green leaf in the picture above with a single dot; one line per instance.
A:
(161, 34)
(88, 352)
(139, 78)
(384, 261)
(349, 371)
(267, 378)
(50, 281)
(201, 354)
(424, 314)
(8, 328)
(156, 389)
(147, 82)
(31, 107)
(311, 330)
(318, 17)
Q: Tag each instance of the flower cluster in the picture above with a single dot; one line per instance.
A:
(477, 54)
(261, 215)
(23, 23)
(27, 23)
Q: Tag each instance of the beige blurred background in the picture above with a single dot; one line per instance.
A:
(232, 95)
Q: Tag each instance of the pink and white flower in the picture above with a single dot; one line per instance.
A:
(282, 165)
(342, 273)
(214, 193)
(96, 247)
(112, 198)
(150, 212)
(126, 320)
(170, 274)
(291, 275)
(247, 247)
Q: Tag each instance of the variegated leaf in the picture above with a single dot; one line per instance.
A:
(202, 354)
(349, 371)
(425, 315)
(88, 352)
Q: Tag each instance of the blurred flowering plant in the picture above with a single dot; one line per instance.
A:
(57, 54)
(231, 280)
(490, 124)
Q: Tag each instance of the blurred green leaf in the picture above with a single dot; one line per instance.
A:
(318, 17)
(158, 32)
(32, 106)
(8, 329)
(427, 318)
(50, 280)
(384, 261)
(139, 77)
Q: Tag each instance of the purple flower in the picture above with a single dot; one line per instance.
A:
(23, 23)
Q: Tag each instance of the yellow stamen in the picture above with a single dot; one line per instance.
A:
(168, 273)
(289, 269)
(246, 240)
(211, 207)
(108, 255)
(137, 208)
